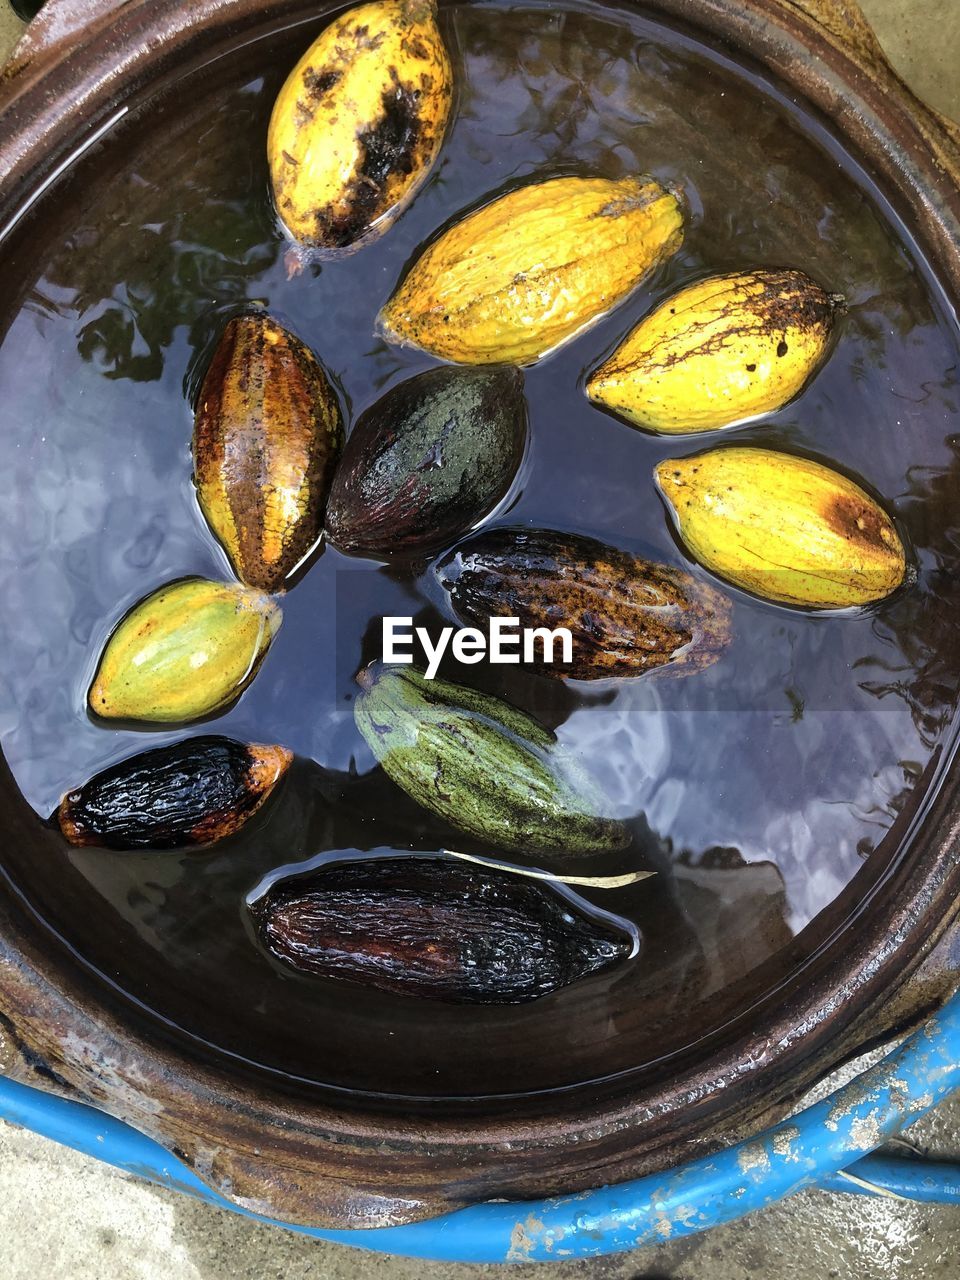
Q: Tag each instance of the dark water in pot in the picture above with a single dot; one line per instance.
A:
(764, 791)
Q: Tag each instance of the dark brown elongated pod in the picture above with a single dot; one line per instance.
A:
(434, 929)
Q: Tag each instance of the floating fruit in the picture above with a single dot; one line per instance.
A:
(183, 652)
(359, 122)
(190, 793)
(534, 268)
(719, 352)
(429, 928)
(428, 461)
(482, 765)
(783, 527)
(626, 615)
(266, 440)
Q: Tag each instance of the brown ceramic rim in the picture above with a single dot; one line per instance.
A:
(323, 1163)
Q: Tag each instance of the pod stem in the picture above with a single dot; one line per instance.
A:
(591, 882)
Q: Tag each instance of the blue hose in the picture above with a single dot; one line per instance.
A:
(928, 1181)
(811, 1149)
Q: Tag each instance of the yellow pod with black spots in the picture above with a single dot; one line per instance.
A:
(783, 527)
(184, 652)
(534, 268)
(358, 124)
(266, 440)
(720, 352)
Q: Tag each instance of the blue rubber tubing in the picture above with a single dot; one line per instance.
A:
(925, 1180)
(810, 1149)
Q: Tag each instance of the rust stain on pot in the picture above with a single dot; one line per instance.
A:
(8, 1053)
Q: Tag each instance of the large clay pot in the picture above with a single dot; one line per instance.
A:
(325, 1161)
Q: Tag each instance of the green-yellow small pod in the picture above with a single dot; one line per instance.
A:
(184, 652)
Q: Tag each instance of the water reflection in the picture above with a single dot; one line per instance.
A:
(923, 630)
(168, 265)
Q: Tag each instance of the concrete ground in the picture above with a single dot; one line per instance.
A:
(65, 1217)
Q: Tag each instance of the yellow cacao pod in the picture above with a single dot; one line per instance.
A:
(526, 273)
(719, 352)
(359, 122)
(785, 528)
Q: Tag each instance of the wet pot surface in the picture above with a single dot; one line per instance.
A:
(771, 793)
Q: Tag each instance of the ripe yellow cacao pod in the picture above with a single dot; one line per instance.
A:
(359, 122)
(786, 528)
(719, 352)
(527, 272)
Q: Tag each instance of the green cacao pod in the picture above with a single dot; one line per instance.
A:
(481, 765)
